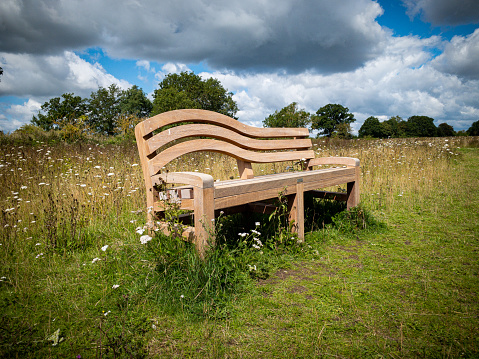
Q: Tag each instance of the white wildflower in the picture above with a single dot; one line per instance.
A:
(115, 286)
(39, 255)
(140, 230)
(110, 174)
(145, 239)
(95, 260)
(104, 248)
(257, 224)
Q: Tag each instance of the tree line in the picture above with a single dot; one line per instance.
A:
(112, 111)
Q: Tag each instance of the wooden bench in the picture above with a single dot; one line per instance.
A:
(198, 130)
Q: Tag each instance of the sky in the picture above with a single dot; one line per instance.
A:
(377, 58)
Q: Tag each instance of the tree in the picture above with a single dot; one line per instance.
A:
(328, 118)
(372, 128)
(445, 130)
(187, 90)
(60, 111)
(394, 127)
(104, 109)
(288, 116)
(421, 126)
(474, 129)
(134, 102)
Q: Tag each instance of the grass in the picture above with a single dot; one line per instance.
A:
(405, 286)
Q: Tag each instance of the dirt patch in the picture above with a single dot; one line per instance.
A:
(301, 272)
(297, 289)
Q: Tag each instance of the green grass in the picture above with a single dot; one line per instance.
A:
(405, 286)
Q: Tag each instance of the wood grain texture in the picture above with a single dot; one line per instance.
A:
(205, 130)
(156, 164)
(202, 116)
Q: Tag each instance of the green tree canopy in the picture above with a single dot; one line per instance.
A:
(104, 109)
(134, 102)
(289, 116)
(421, 126)
(445, 130)
(60, 111)
(394, 127)
(328, 118)
(474, 129)
(187, 90)
(372, 128)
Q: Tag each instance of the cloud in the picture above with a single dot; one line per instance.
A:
(444, 12)
(401, 81)
(51, 75)
(239, 34)
(18, 115)
(460, 56)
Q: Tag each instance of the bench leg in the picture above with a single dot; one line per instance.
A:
(204, 218)
(353, 191)
(296, 211)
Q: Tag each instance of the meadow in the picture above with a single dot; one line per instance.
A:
(397, 277)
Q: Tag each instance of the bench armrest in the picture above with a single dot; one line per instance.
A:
(196, 179)
(345, 161)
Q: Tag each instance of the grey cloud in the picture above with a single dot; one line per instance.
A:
(241, 35)
(460, 57)
(445, 12)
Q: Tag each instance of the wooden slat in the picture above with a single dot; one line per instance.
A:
(202, 116)
(309, 178)
(346, 161)
(227, 135)
(168, 155)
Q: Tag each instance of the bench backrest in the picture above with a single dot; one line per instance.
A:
(224, 135)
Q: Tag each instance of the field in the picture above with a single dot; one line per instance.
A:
(396, 278)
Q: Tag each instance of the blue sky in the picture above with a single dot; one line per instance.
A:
(382, 59)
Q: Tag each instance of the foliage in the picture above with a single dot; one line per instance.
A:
(445, 130)
(372, 128)
(474, 129)
(60, 111)
(421, 126)
(289, 116)
(187, 90)
(328, 118)
(104, 109)
(133, 102)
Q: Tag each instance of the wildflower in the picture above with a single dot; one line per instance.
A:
(140, 230)
(39, 255)
(97, 167)
(104, 248)
(110, 174)
(145, 239)
(38, 244)
(255, 232)
(134, 164)
(242, 234)
(83, 185)
(23, 187)
(182, 296)
(105, 314)
(257, 224)
(115, 286)
(95, 260)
